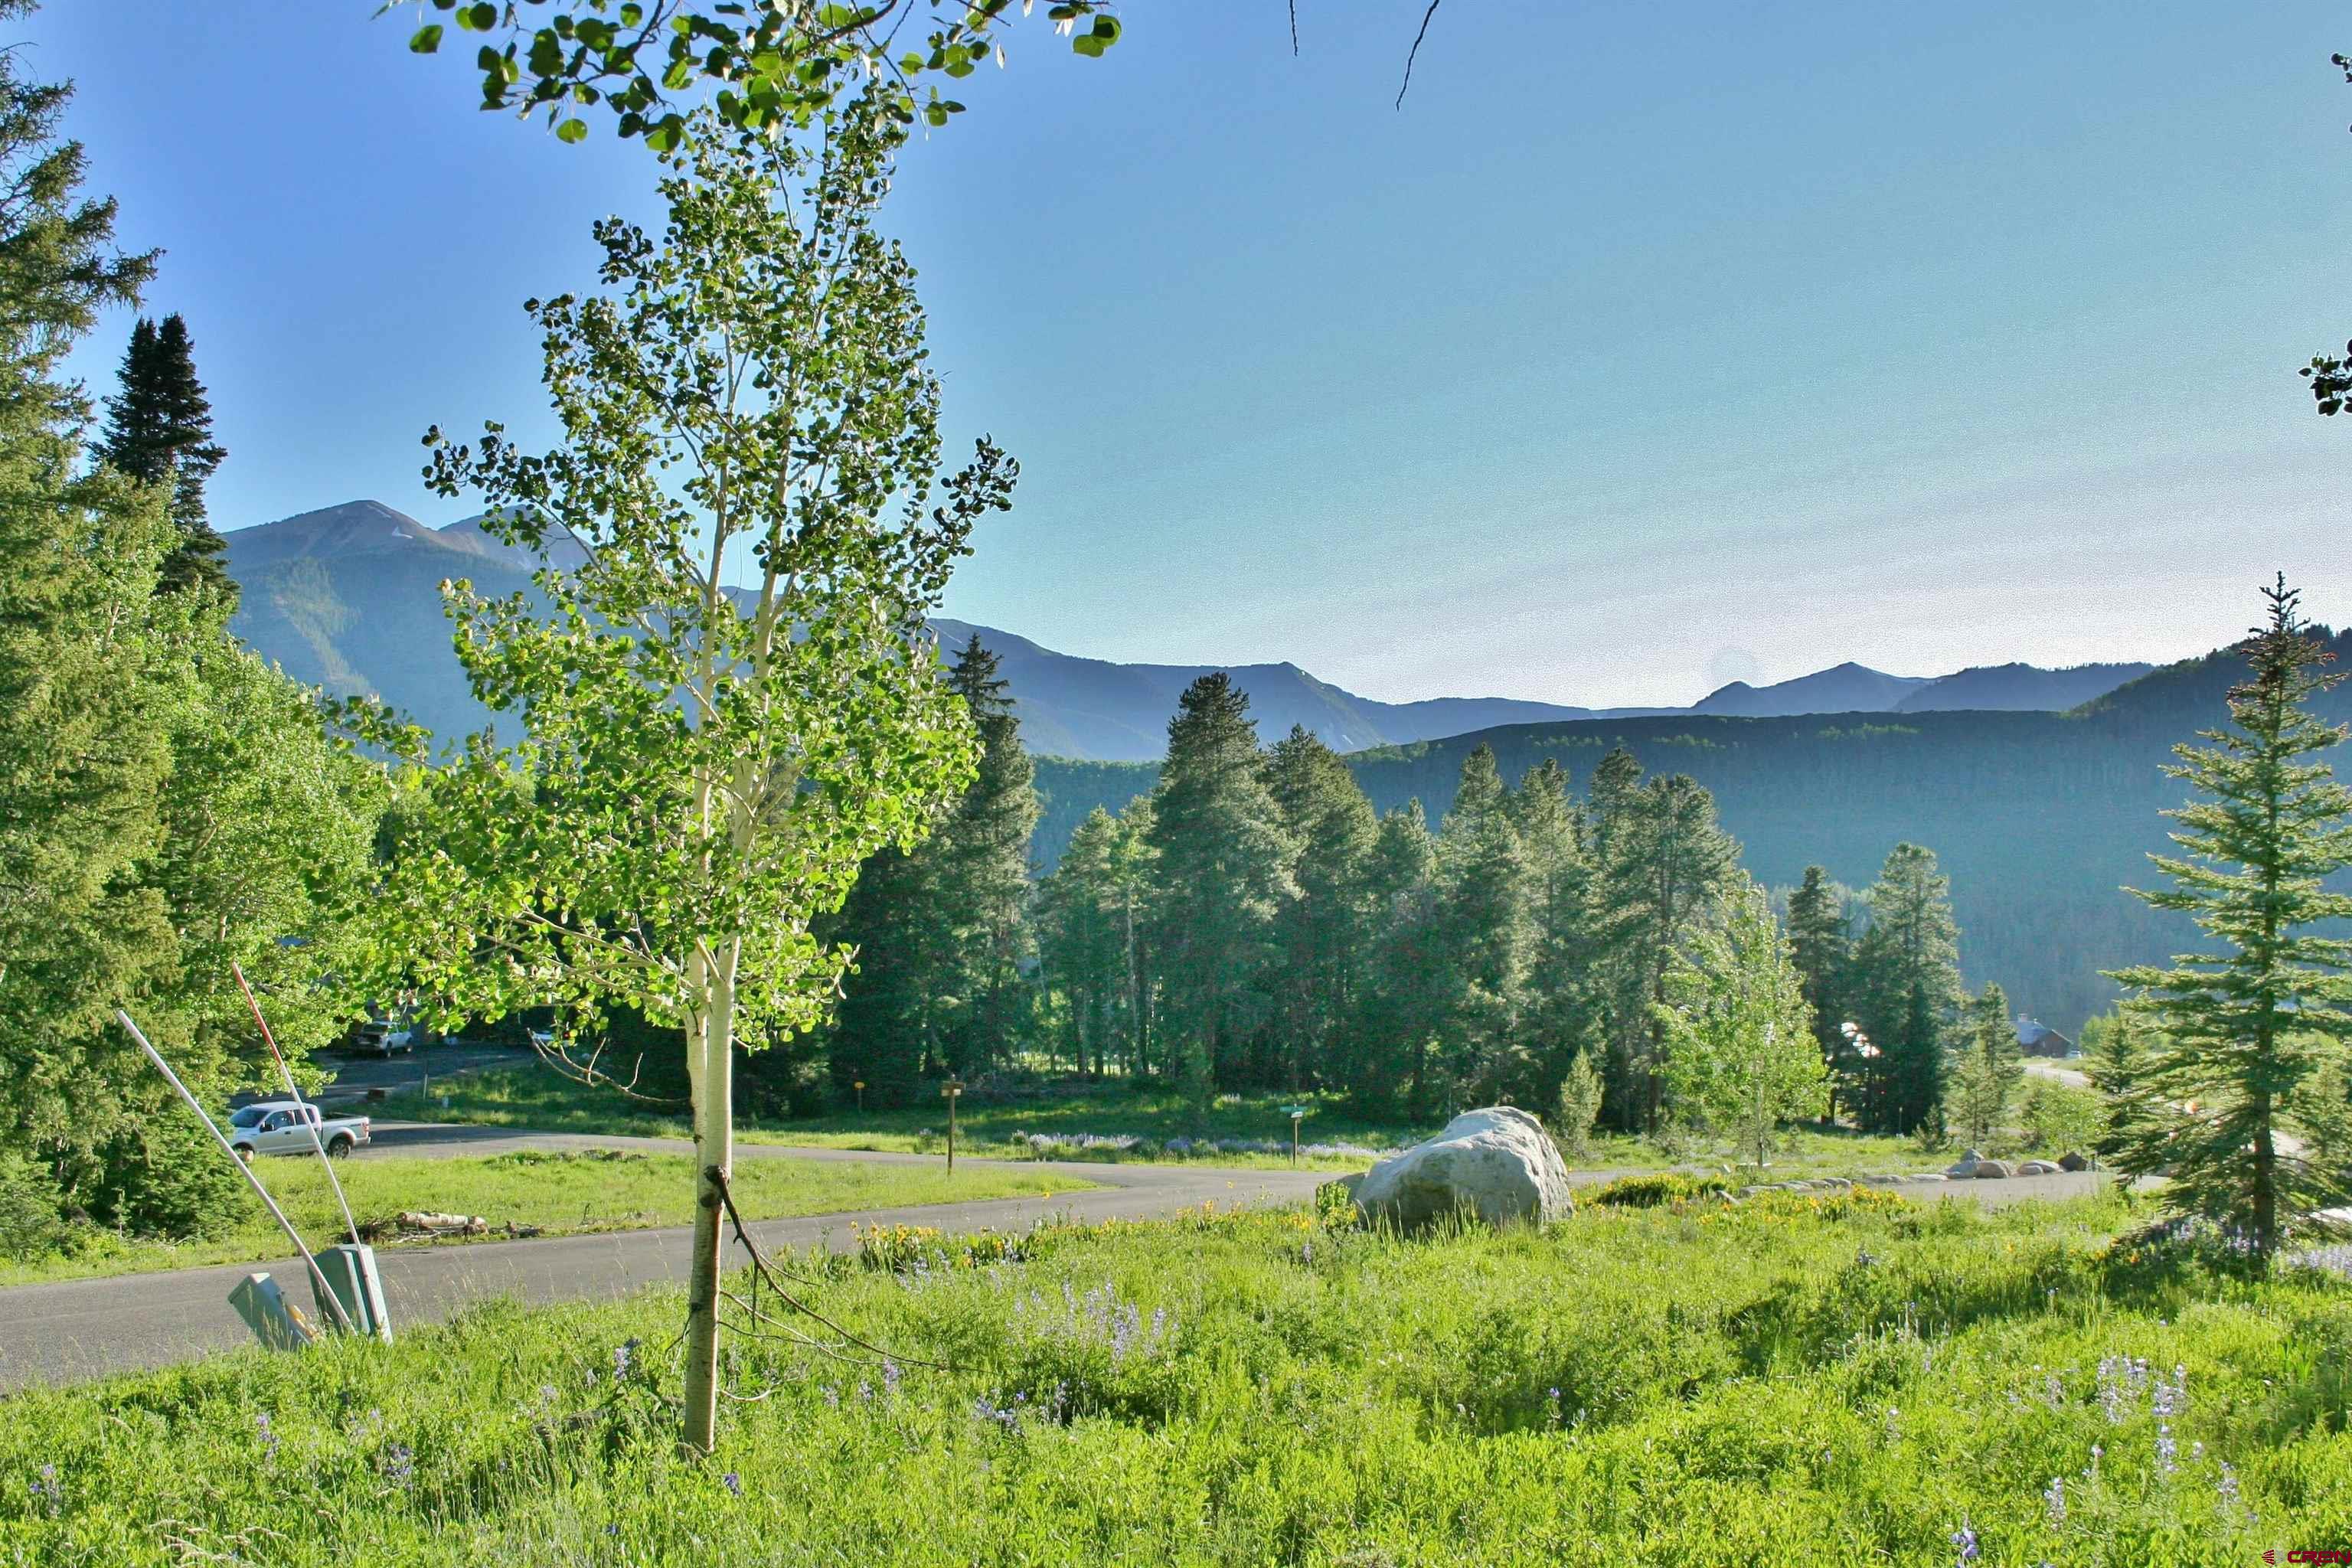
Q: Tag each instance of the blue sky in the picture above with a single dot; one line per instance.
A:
(1645, 347)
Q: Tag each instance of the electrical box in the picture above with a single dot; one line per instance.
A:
(275, 1320)
(350, 1274)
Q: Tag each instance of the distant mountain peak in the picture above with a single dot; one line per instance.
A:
(349, 596)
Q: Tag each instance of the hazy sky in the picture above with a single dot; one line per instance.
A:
(1646, 347)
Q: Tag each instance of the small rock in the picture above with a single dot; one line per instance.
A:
(1991, 1170)
(2038, 1168)
(2070, 1161)
(1965, 1168)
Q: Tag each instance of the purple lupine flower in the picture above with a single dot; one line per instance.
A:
(269, 1438)
(2053, 1497)
(46, 1488)
(399, 1465)
(733, 1482)
(2167, 1450)
(1965, 1538)
(624, 1356)
(889, 1378)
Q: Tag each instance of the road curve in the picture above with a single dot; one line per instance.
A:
(81, 1328)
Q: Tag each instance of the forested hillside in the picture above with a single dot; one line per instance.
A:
(2039, 818)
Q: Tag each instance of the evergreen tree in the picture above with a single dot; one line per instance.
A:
(1987, 1069)
(1562, 1022)
(940, 929)
(2132, 1116)
(1082, 940)
(1906, 989)
(168, 805)
(1399, 1017)
(981, 873)
(2244, 1030)
(1482, 938)
(1222, 859)
(1321, 929)
(1666, 862)
(885, 1029)
(159, 431)
(1577, 1108)
(1821, 945)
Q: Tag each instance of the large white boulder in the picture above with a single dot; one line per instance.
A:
(1497, 1162)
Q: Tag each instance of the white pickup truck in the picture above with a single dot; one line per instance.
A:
(283, 1126)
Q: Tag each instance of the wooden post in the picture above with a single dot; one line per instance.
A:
(859, 1085)
(953, 1089)
(1297, 1113)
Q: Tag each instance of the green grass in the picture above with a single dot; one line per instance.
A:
(1789, 1382)
(529, 1096)
(561, 1194)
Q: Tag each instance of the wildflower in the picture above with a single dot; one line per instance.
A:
(832, 1396)
(399, 1465)
(2055, 1499)
(47, 1489)
(625, 1355)
(2167, 1450)
(1965, 1538)
(889, 1378)
(2228, 1485)
(269, 1437)
(733, 1482)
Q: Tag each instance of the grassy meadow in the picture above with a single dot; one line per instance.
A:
(561, 1194)
(1795, 1380)
(1075, 1124)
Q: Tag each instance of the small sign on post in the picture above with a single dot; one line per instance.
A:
(859, 1085)
(1297, 1113)
(953, 1090)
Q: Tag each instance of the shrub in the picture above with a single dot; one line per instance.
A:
(1579, 1108)
(29, 1223)
(2057, 1117)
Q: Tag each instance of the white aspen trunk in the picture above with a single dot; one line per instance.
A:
(710, 1052)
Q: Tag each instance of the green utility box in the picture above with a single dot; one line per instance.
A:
(350, 1273)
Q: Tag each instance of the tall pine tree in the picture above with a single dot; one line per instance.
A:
(1820, 943)
(1666, 860)
(1483, 938)
(1986, 1070)
(1222, 860)
(940, 929)
(2243, 1030)
(1399, 1014)
(159, 431)
(1321, 929)
(1906, 990)
(981, 876)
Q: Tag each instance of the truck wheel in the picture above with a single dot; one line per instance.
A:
(244, 1153)
(340, 1146)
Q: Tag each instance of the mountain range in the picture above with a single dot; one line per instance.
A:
(2039, 789)
(348, 598)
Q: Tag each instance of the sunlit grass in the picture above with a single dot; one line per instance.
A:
(1780, 1383)
(528, 1096)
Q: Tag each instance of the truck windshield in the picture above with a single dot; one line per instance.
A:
(247, 1116)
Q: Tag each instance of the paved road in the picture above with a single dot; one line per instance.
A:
(86, 1328)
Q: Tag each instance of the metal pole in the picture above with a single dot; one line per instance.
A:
(317, 1274)
(287, 1073)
